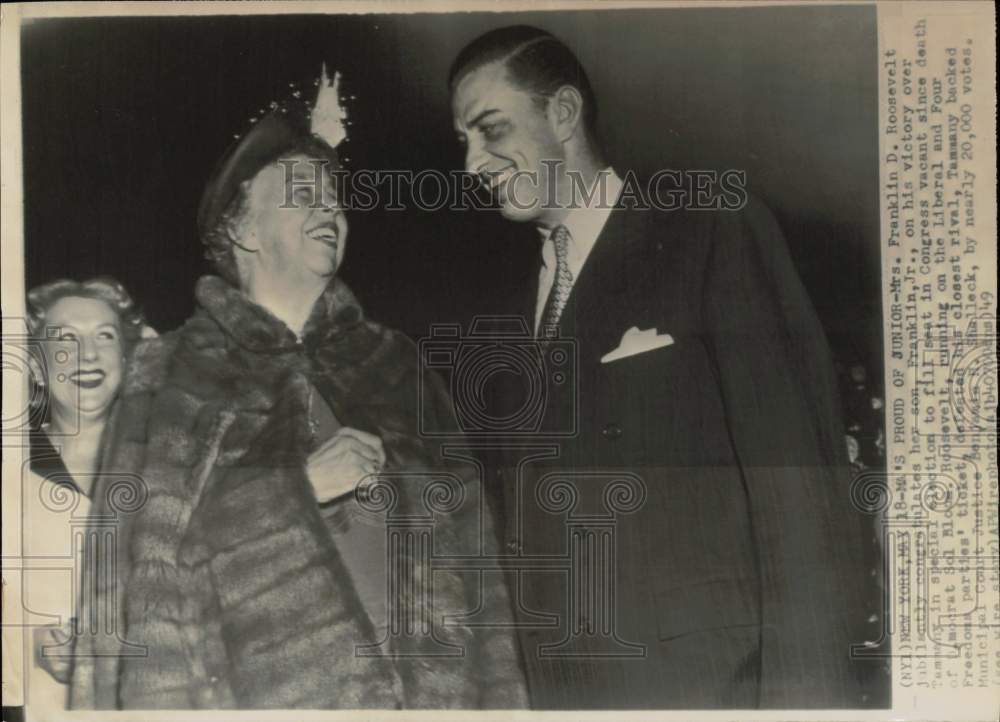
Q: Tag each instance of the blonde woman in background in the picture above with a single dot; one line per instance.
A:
(82, 332)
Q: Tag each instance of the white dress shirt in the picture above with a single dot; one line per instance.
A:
(584, 225)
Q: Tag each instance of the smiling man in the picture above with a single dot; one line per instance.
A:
(745, 576)
(247, 576)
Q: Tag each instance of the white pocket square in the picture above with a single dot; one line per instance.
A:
(635, 341)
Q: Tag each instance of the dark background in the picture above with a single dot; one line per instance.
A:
(124, 119)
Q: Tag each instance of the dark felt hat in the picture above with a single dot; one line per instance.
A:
(288, 128)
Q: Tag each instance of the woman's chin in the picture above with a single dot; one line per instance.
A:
(324, 268)
(95, 411)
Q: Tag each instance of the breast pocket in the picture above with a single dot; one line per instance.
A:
(641, 395)
(643, 358)
(631, 380)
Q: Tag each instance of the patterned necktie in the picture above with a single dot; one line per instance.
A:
(562, 284)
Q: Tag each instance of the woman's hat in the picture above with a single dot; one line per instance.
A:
(288, 127)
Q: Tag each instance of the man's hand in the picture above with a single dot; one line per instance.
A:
(336, 467)
(58, 667)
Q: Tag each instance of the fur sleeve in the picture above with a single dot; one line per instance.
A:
(474, 603)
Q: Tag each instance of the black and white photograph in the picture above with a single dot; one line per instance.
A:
(419, 356)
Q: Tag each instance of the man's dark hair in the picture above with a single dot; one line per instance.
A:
(536, 62)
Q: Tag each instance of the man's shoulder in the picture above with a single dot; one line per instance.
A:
(683, 201)
(696, 225)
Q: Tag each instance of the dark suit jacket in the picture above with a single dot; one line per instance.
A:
(746, 574)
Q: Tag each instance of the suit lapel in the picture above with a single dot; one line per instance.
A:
(609, 290)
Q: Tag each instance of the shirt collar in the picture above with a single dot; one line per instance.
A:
(586, 222)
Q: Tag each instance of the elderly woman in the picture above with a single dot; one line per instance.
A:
(251, 578)
(83, 332)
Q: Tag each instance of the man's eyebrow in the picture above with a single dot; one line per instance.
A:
(481, 116)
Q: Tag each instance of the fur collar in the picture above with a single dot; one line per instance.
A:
(256, 329)
(228, 391)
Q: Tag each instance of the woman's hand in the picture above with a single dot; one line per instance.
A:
(58, 667)
(336, 467)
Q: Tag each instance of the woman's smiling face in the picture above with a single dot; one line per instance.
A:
(294, 221)
(84, 356)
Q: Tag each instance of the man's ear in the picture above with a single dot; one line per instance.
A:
(566, 112)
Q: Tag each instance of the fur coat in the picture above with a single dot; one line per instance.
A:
(229, 589)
